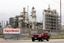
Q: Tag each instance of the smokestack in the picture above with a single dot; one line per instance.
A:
(60, 15)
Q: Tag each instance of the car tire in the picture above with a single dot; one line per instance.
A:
(47, 39)
(33, 40)
(41, 39)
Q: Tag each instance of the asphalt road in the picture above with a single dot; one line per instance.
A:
(29, 41)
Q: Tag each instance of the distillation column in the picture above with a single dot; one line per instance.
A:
(33, 14)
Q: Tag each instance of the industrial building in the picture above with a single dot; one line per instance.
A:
(22, 20)
(19, 21)
(33, 15)
(51, 20)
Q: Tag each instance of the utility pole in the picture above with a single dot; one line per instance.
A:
(60, 16)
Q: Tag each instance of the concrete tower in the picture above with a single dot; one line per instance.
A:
(33, 14)
(50, 19)
(24, 14)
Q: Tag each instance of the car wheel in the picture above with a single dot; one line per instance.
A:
(39, 40)
(47, 39)
(33, 40)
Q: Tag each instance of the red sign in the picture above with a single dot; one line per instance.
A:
(11, 31)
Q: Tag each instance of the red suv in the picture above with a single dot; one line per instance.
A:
(40, 37)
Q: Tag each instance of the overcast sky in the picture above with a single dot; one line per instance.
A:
(11, 8)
